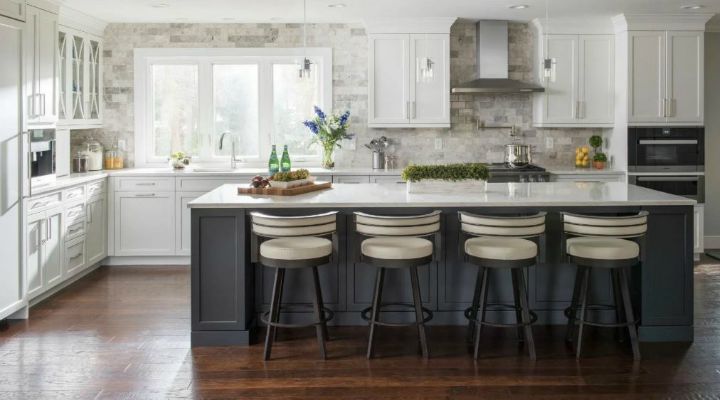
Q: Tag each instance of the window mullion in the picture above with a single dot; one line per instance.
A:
(267, 136)
(206, 110)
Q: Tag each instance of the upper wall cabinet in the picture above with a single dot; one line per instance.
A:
(13, 9)
(582, 93)
(80, 71)
(409, 73)
(41, 32)
(666, 77)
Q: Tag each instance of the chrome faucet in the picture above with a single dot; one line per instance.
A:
(233, 160)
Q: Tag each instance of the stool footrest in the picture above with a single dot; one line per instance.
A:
(498, 307)
(364, 314)
(328, 313)
(600, 307)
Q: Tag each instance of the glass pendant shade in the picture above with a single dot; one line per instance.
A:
(550, 69)
(305, 69)
(426, 71)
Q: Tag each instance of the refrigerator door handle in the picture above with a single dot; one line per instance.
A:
(28, 178)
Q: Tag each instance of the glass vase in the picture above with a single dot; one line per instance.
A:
(328, 158)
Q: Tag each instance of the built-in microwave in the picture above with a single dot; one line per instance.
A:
(42, 156)
(666, 149)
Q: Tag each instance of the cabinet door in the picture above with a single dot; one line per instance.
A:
(13, 9)
(429, 93)
(144, 223)
(685, 69)
(647, 52)
(596, 66)
(52, 249)
(40, 56)
(93, 94)
(33, 263)
(64, 90)
(96, 232)
(388, 80)
(560, 97)
(77, 78)
(182, 241)
(75, 257)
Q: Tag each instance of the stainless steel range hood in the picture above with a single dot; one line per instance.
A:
(491, 68)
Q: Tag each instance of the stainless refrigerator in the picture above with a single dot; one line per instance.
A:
(13, 180)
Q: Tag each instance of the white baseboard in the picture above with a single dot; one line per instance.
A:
(712, 242)
(147, 260)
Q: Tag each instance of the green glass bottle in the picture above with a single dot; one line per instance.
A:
(285, 160)
(273, 164)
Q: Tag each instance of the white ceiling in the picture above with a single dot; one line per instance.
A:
(357, 10)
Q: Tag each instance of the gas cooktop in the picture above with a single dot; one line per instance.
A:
(502, 172)
(505, 167)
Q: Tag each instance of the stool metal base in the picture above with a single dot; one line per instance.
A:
(422, 315)
(579, 306)
(272, 317)
(428, 314)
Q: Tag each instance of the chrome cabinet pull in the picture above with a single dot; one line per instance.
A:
(89, 213)
(145, 195)
(75, 257)
(146, 184)
(49, 229)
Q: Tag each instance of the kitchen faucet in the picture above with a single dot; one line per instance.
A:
(233, 161)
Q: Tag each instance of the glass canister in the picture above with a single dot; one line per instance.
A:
(79, 163)
(114, 158)
(94, 152)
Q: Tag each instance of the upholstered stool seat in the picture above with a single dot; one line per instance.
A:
(602, 248)
(397, 248)
(294, 242)
(296, 248)
(397, 242)
(494, 248)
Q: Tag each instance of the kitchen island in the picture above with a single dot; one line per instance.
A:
(229, 291)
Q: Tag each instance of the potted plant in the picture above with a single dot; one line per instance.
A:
(291, 179)
(329, 131)
(179, 160)
(470, 177)
(599, 160)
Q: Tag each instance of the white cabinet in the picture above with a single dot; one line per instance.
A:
(399, 94)
(587, 177)
(80, 79)
(351, 179)
(666, 77)
(699, 229)
(41, 31)
(44, 267)
(75, 257)
(96, 230)
(144, 223)
(582, 94)
(13, 8)
(184, 222)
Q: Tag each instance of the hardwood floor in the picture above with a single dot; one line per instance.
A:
(123, 333)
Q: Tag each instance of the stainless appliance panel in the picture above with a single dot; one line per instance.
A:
(666, 149)
(690, 186)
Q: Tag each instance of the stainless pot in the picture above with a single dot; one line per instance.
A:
(518, 155)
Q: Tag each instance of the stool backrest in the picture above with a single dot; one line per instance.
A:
(276, 226)
(524, 226)
(623, 227)
(397, 225)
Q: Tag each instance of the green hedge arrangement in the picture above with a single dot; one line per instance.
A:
(290, 175)
(448, 172)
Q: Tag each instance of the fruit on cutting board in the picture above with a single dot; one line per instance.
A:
(260, 182)
(582, 157)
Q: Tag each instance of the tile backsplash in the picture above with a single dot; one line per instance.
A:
(461, 142)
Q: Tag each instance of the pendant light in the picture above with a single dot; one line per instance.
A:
(549, 65)
(425, 70)
(304, 71)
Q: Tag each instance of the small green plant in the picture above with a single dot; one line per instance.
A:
(448, 172)
(596, 142)
(290, 175)
(600, 157)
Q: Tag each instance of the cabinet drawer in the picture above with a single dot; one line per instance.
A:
(43, 203)
(145, 185)
(74, 194)
(95, 189)
(208, 184)
(74, 230)
(74, 256)
(351, 179)
(75, 213)
(387, 179)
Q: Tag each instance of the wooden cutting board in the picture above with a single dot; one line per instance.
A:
(271, 191)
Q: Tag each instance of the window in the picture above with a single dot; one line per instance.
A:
(186, 99)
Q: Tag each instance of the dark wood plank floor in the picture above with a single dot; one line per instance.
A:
(123, 333)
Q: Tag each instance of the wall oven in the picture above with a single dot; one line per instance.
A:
(42, 156)
(691, 186)
(666, 149)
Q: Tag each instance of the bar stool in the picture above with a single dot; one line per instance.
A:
(293, 243)
(398, 242)
(611, 243)
(501, 242)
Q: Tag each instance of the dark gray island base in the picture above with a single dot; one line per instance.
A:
(228, 291)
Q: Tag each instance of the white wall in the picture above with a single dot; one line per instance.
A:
(712, 138)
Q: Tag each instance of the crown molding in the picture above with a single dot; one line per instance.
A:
(409, 25)
(661, 22)
(574, 26)
(713, 27)
(78, 20)
(52, 6)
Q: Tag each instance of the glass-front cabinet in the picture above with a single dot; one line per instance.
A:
(81, 90)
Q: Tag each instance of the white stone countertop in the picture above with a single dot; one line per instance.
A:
(211, 171)
(582, 171)
(72, 180)
(548, 194)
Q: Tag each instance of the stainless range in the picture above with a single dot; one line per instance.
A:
(501, 172)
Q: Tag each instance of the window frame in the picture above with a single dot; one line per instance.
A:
(205, 58)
